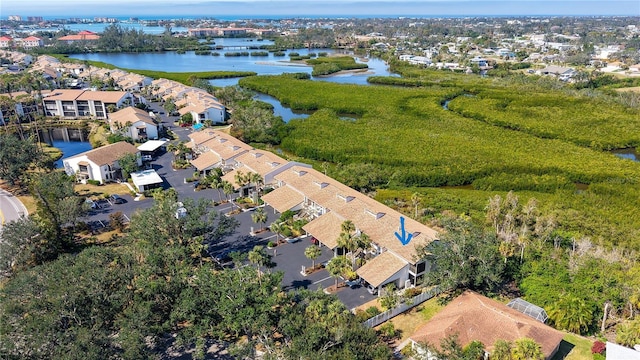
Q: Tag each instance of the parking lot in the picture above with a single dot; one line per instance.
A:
(288, 257)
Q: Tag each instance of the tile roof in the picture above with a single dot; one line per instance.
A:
(205, 160)
(376, 220)
(259, 161)
(377, 270)
(132, 115)
(231, 176)
(64, 94)
(80, 36)
(201, 136)
(283, 198)
(106, 155)
(476, 317)
(104, 96)
(326, 229)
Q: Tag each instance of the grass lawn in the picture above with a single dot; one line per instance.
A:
(574, 347)
(410, 321)
(100, 191)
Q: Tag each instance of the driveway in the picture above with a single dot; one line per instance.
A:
(290, 258)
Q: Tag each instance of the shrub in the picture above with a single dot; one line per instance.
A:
(372, 311)
(271, 244)
(93, 182)
(598, 347)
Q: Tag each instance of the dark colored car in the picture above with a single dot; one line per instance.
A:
(116, 199)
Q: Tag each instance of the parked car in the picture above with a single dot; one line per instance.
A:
(116, 199)
(147, 157)
(354, 283)
(372, 289)
(92, 204)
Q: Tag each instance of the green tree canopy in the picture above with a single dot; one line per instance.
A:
(465, 257)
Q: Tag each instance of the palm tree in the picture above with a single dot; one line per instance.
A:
(352, 242)
(337, 266)
(571, 313)
(259, 217)
(501, 350)
(258, 256)
(227, 188)
(312, 252)
(415, 200)
(277, 228)
(216, 183)
(241, 179)
(256, 179)
(527, 349)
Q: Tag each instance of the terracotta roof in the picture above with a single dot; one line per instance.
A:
(377, 270)
(72, 94)
(107, 154)
(326, 229)
(205, 160)
(64, 94)
(476, 317)
(104, 96)
(5, 38)
(80, 37)
(283, 198)
(132, 115)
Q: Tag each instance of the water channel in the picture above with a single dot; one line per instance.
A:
(71, 141)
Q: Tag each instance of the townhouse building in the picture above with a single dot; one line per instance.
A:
(326, 204)
(100, 164)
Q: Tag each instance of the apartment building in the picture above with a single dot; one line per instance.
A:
(67, 103)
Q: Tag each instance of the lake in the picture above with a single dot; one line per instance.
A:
(263, 65)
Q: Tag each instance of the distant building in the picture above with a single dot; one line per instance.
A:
(83, 35)
(217, 32)
(30, 42)
(6, 41)
(15, 18)
(35, 19)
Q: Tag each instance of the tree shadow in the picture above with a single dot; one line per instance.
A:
(297, 284)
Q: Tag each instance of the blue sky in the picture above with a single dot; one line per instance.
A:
(267, 8)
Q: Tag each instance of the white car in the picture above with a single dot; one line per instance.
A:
(147, 157)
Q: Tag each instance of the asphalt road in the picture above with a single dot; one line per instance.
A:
(11, 208)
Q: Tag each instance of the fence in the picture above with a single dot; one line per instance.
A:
(389, 314)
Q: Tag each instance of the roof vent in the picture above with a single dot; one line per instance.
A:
(299, 172)
(376, 215)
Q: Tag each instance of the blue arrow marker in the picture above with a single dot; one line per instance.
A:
(405, 237)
